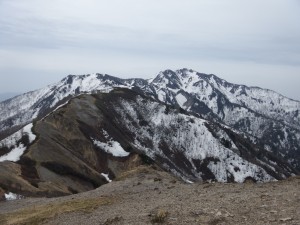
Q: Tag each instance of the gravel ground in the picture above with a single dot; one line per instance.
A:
(153, 196)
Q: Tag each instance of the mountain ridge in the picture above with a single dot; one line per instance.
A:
(105, 83)
(69, 78)
(94, 138)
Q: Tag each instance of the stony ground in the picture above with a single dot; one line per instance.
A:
(148, 196)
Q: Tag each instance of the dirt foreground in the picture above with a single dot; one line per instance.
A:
(148, 196)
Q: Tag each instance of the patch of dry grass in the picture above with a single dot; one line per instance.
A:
(39, 214)
(133, 172)
(160, 216)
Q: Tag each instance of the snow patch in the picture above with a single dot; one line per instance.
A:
(17, 148)
(106, 177)
(28, 130)
(189, 182)
(14, 155)
(11, 196)
(112, 147)
(181, 99)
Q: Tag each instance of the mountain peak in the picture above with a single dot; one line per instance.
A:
(185, 73)
(167, 78)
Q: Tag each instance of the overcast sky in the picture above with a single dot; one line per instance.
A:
(256, 42)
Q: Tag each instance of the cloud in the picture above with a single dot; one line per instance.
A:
(142, 36)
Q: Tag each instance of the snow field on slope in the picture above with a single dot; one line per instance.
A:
(86, 84)
(181, 99)
(11, 142)
(111, 146)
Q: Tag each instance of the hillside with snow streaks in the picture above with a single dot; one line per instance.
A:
(185, 143)
(271, 118)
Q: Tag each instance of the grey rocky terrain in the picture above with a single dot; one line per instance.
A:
(147, 195)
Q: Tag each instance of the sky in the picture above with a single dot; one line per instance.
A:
(256, 42)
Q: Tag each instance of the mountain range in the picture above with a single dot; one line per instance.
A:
(87, 130)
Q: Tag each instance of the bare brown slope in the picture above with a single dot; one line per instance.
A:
(63, 159)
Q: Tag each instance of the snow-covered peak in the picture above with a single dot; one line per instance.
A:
(167, 78)
(24, 108)
(210, 89)
(184, 79)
